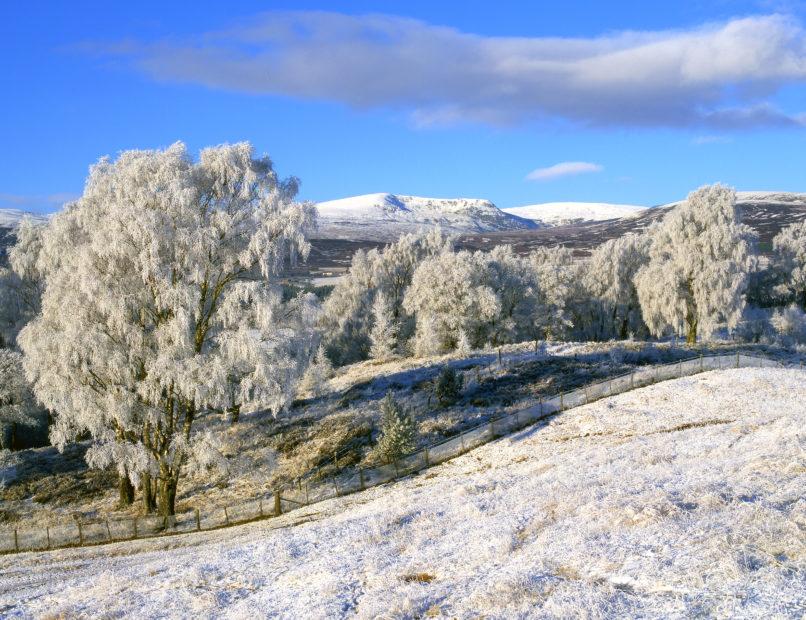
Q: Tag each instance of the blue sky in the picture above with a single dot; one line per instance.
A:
(637, 102)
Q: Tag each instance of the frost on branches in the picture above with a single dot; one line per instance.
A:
(350, 316)
(16, 401)
(398, 430)
(698, 266)
(21, 285)
(789, 255)
(160, 305)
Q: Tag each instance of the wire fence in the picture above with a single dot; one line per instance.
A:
(290, 497)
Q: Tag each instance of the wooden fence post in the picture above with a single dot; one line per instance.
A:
(108, 531)
(737, 359)
(632, 380)
(499, 357)
(397, 471)
(462, 440)
(198, 520)
(561, 401)
(16, 541)
(336, 486)
(80, 534)
(226, 516)
(361, 473)
(427, 463)
(47, 531)
(278, 506)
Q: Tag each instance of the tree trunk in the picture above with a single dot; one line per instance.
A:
(167, 496)
(126, 491)
(147, 486)
(691, 333)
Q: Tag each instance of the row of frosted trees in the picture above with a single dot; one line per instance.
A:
(155, 300)
(691, 275)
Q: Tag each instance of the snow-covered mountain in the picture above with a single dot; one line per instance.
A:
(382, 217)
(11, 218)
(563, 213)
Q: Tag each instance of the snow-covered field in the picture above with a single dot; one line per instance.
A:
(677, 500)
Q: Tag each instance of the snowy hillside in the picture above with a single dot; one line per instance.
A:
(11, 218)
(382, 217)
(682, 499)
(564, 213)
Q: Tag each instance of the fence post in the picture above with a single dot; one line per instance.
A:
(336, 486)
(80, 534)
(462, 440)
(278, 506)
(427, 462)
(47, 531)
(16, 541)
(361, 472)
(737, 359)
(397, 471)
(702, 363)
(492, 428)
(632, 380)
(108, 531)
(499, 357)
(226, 516)
(541, 406)
(198, 519)
(587, 400)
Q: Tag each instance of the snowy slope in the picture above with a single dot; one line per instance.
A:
(681, 499)
(11, 218)
(386, 216)
(563, 213)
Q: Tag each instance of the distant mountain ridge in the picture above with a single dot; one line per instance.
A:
(565, 213)
(11, 218)
(382, 217)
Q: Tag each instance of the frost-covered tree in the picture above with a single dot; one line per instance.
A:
(383, 335)
(398, 431)
(699, 259)
(449, 297)
(161, 305)
(514, 281)
(789, 260)
(790, 325)
(448, 386)
(609, 282)
(347, 317)
(558, 286)
(21, 284)
(17, 404)
(316, 376)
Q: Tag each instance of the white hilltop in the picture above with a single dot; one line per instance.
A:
(564, 213)
(383, 216)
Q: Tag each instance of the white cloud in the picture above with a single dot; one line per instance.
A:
(721, 75)
(563, 169)
(704, 140)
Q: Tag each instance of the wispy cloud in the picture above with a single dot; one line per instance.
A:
(563, 169)
(723, 75)
(704, 140)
